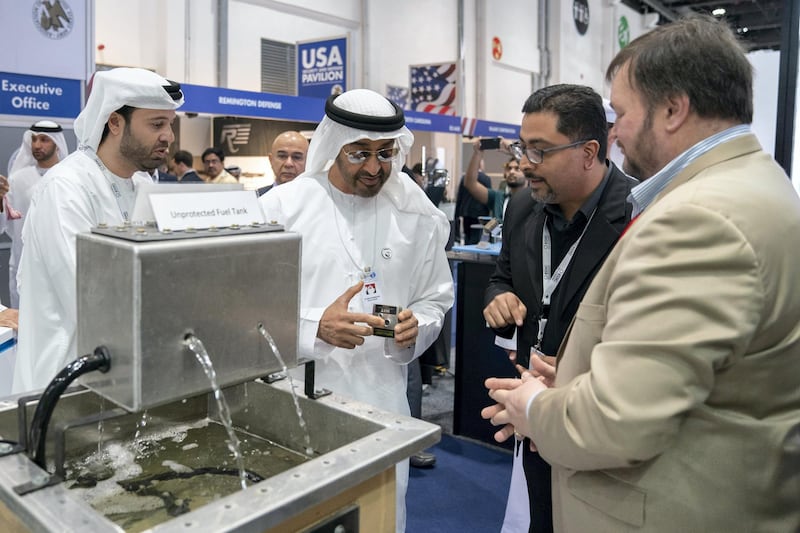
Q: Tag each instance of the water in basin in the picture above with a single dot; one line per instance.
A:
(139, 484)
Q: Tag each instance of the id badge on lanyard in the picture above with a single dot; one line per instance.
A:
(371, 291)
(550, 279)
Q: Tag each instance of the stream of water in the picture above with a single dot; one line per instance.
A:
(196, 346)
(298, 410)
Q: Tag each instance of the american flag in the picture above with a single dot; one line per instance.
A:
(398, 95)
(433, 88)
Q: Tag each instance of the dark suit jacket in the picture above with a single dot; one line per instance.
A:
(166, 177)
(263, 190)
(191, 177)
(519, 266)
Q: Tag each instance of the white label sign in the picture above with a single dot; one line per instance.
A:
(203, 210)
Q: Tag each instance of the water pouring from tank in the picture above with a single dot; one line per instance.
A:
(285, 370)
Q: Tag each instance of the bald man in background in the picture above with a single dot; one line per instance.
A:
(287, 157)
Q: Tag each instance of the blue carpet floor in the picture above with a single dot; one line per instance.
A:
(466, 491)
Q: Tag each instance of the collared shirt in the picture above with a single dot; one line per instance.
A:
(643, 194)
(565, 232)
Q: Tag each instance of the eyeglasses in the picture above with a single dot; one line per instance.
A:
(360, 156)
(536, 155)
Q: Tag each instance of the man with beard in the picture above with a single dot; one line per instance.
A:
(675, 405)
(43, 145)
(554, 241)
(287, 158)
(370, 236)
(124, 132)
(495, 199)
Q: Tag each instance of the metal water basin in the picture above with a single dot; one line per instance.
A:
(352, 443)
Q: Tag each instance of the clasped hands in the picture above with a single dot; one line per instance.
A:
(344, 329)
(512, 394)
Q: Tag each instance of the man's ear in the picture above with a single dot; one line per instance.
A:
(676, 110)
(116, 123)
(589, 151)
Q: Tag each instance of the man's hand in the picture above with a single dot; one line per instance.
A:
(543, 368)
(512, 356)
(9, 318)
(406, 329)
(338, 327)
(3, 192)
(512, 397)
(505, 309)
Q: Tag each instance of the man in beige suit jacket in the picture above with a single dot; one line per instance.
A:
(676, 404)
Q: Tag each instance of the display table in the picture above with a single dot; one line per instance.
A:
(470, 251)
(477, 356)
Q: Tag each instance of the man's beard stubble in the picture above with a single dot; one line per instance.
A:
(138, 154)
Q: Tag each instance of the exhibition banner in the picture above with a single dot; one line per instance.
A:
(39, 96)
(322, 67)
(473, 127)
(219, 101)
(431, 122)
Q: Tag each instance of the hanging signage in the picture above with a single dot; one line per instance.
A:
(220, 101)
(473, 127)
(580, 15)
(432, 122)
(322, 67)
(39, 96)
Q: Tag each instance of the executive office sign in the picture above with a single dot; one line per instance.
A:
(322, 67)
(39, 96)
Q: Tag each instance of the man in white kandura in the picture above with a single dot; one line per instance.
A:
(125, 129)
(362, 221)
(43, 145)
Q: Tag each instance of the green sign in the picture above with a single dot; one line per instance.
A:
(623, 32)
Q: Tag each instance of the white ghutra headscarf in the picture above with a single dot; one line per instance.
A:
(363, 114)
(355, 115)
(25, 153)
(113, 89)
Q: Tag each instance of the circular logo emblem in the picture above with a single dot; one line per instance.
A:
(580, 15)
(623, 32)
(386, 253)
(53, 18)
(497, 48)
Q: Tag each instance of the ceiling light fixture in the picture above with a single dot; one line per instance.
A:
(718, 12)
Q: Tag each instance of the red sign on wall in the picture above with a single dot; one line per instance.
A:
(497, 48)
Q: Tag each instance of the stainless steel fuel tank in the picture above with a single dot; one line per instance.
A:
(140, 292)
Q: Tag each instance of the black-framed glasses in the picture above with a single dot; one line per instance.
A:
(536, 155)
(384, 155)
